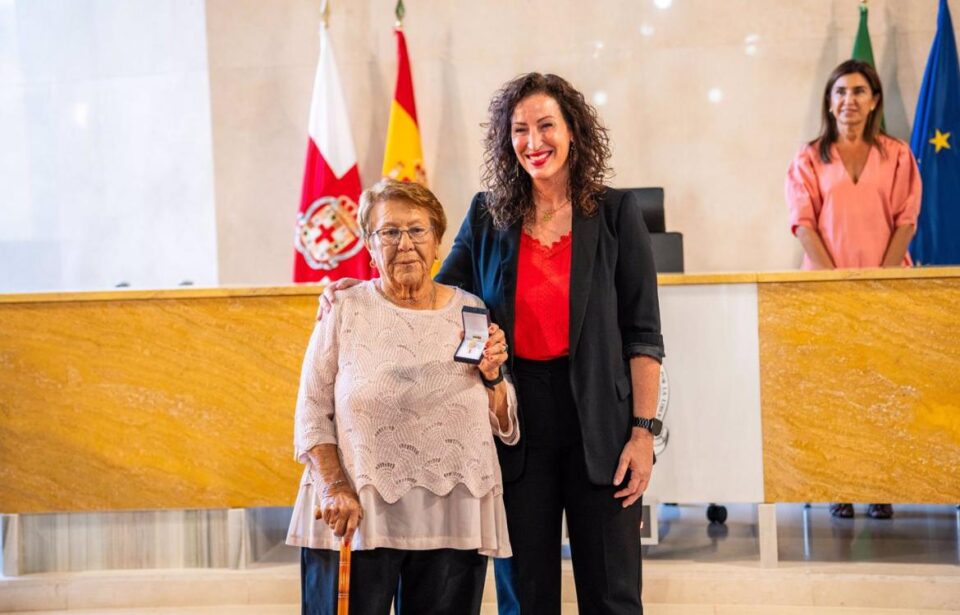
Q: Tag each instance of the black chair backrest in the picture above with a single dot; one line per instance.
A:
(651, 202)
(667, 252)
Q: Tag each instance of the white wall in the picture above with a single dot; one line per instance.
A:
(108, 167)
(721, 163)
(106, 171)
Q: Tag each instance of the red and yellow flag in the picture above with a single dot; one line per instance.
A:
(403, 157)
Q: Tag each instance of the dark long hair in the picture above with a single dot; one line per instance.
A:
(510, 189)
(828, 124)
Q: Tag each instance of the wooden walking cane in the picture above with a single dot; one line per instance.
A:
(343, 586)
(343, 581)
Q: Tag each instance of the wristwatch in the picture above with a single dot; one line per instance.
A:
(652, 425)
(492, 383)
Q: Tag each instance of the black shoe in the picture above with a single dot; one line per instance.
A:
(842, 511)
(880, 511)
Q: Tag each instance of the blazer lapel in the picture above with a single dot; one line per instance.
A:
(509, 254)
(584, 251)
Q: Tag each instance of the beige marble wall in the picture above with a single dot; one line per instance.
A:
(651, 70)
(123, 401)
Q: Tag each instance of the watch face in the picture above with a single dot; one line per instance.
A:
(656, 426)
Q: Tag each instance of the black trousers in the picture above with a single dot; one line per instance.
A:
(604, 537)
(437, 582)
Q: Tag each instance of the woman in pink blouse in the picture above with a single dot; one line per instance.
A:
(854, 191)
(397, 437)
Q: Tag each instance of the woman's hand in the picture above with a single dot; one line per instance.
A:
(340, 509)
(327, 298)
(814, 247)
(637, 456)
(494, 356)
(494, 353)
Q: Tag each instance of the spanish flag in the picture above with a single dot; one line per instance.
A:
(403, 158)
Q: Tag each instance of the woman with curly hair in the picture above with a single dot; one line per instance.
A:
(565, 265)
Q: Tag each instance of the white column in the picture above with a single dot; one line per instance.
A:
(10, 535)
(767, 529)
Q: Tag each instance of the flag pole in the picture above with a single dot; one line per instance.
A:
(325, 14)
(399, 11)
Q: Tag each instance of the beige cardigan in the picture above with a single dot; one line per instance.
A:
(412, 426)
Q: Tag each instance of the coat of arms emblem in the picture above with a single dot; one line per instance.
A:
(327, 232)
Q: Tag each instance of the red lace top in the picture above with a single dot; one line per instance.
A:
(542, 330)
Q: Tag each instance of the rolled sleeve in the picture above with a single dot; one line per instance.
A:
(802, 190)
(638, 304)
(654, 350)
(907, 189)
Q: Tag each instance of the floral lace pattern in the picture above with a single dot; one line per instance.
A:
(380, 381)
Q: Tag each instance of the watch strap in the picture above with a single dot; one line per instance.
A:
(492, 383)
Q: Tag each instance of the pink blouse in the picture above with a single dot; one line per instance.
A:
(855, 220)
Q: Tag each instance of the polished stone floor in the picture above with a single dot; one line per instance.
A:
(909, 565)
(915, 535)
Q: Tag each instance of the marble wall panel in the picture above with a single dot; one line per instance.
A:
(859, 389)
(137, 404)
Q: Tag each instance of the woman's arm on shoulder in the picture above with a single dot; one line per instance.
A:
(458, 267)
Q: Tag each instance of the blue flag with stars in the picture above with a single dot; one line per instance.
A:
(936, 144)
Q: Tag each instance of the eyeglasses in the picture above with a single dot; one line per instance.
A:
(390, 236)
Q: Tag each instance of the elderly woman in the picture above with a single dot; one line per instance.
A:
(397, 437)
(566, 266)
(854, 191)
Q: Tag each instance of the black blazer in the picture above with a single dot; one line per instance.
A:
(614, 313)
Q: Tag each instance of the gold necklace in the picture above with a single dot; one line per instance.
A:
(547, 216)
(433, 295)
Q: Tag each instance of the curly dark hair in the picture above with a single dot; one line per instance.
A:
(509, 187)
(828, 124)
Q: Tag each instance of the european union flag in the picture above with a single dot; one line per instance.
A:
(936, 144)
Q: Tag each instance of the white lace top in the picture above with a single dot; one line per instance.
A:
(413, 427)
